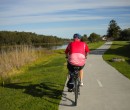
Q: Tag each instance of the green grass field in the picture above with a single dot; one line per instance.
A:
(38, 86)
(119, 49)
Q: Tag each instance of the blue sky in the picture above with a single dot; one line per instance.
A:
(63, 18)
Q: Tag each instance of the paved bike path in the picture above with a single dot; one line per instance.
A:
(104, 87)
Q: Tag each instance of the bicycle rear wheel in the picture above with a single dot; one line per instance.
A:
(76, 91)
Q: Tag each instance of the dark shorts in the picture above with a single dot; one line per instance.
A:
(71, 67)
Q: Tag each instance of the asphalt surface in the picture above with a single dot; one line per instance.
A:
(104, 87)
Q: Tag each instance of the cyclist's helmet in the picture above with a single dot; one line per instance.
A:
(77, 36)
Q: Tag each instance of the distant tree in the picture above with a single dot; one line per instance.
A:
(94, 37)
(125, 34)
(84, 38)
(113, 30)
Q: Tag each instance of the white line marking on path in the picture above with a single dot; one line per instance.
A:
(99, 83)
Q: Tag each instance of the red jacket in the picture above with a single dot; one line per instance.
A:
(77, 51)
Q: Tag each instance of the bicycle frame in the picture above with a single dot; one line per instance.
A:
(76, 88)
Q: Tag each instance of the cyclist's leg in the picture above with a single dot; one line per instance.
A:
(68, 67)
(81, 75)
(70, 70)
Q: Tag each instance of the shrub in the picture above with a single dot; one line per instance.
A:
(15, 58)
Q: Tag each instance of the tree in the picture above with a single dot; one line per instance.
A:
(113, 30)
(94, 37)
(84, 38)
(125, 34)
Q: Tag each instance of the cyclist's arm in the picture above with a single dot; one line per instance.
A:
(86, 55)
(66, 56)
(86, 51)
(67, 51)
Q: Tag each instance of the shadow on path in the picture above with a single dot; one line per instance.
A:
(101, 51)
(66, 99)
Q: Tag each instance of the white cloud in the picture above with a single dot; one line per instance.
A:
(47, 18)
(124, 15)
(27, 7)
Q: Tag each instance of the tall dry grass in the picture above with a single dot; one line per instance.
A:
(15, 58)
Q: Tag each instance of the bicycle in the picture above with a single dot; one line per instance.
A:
(76, 88)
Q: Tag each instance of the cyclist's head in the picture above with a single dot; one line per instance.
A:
(78, 36)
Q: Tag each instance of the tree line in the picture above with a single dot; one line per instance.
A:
(29, 38)
(114, 32)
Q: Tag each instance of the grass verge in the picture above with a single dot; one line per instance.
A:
(95, 45)
(119, 49)
(38, 88)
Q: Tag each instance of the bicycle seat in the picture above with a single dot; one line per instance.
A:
(76, 68)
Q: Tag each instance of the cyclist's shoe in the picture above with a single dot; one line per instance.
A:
(81, 84)
(70, 90)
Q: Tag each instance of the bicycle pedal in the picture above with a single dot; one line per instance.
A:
(70, 90)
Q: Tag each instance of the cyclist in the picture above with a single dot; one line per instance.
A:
(77, 52)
